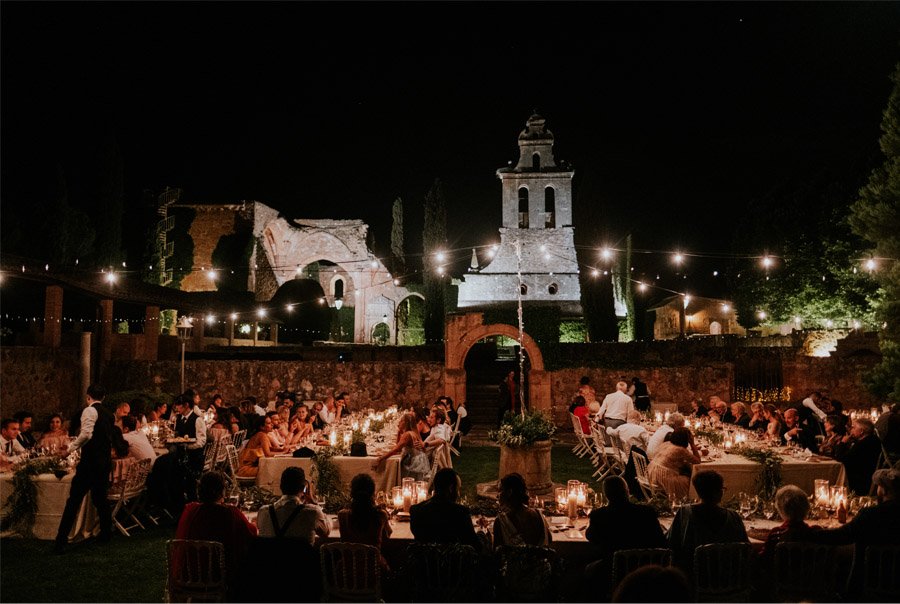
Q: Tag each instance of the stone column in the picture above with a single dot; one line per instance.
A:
(455, 384)
(229, 325)
(151, 333)
(255, 332)
(53, 306)
(538, 390)
(106, 329)
(84, 358)
(275, 334)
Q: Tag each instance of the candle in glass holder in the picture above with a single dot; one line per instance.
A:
(397, 497)
(346, 439)
(354, 425)
(421, 491)
(821, 492)
(728, 442)
(659, 417)
(332, 438)
(560, 498)
(838, 497)
(581, 498)
(572, 498)
(874, 413)
(666, 417)
(365, 426)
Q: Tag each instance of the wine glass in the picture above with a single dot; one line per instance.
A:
(746, 505)
(768, 510)
(380, 499)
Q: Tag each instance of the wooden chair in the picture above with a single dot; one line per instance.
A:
(627, 560)
(804, 572)
(442, 573)
(582, 446)
(127, 495)
(350, 572)
(604, 452)
(619, 458)
(526, 573)
(454, 434)
(882, 574)
(722, 572)
(641, 474)
(196, 571)
(233, 465)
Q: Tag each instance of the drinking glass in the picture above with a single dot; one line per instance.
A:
(768, 510)
(380, 499)
(746, 506)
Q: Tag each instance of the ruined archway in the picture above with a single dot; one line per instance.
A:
(463, 331)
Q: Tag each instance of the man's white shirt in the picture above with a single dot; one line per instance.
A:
(616, 405)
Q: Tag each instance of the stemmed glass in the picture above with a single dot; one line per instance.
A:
(768, 510)
(748, 505)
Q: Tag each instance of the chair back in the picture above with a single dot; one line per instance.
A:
(882, 574)
(437, 572)
(222, 442)
(350, 572)
(528, 573)
(641, 474)
(576, 425)
(209, 454)
(134, 481)
(627, 560)
(722, 572)
(440, 458)
(238, 439)
(620, 457)
(804, 572)
(196, 571)
(232, 457)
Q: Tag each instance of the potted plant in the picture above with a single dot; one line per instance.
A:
(525, 441)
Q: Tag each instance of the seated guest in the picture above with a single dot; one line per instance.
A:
(158, 412)
(276, 438)
(257, 409)
(139, 446)
(26, 423)
(11, 449)
(704, 522)
(888, 430)
(342, 400)
(440, 519)
(860, 458)
(794, 433)
(517, 524)
(758, 421)
(363, 521)
(580, 411)
(440, 429)
(122, 409)
(725, 414)
(622, 524)
(776, 421)
(316, 413)
(671, 467)
(632, 432)
(878, 525)
(654, 583)
(299, 428)
(284, 415)
(258, 446)
(792, 505)
(739, 412)
(676, 420)
(330, 412)
(835, 431)
(415, 462)
(55, 438)
(294, 516)
(422, 425)
(211, 520)
(699, 409)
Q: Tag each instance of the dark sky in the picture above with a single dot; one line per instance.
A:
(673, 115)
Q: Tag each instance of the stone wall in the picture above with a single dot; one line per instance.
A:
(42, 380)
(210, 224)
(375, 384)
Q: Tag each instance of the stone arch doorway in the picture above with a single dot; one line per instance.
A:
(464, 331)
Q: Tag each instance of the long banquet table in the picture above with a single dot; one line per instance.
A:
(270, 469)
(741, 474)
(52, 493)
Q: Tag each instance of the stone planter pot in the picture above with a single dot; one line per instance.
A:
(532, 462)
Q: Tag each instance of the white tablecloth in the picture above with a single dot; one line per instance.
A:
(52, 494)
(270, 469)
(740, 473)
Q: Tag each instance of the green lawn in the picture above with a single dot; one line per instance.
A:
(133, 569)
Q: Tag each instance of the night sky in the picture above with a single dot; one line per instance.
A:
(674, 115)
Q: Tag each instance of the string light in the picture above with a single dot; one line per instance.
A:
(261, 313)
(725, 308)
(210, 319)
(870, 264)
(594, 272)
(440, 256)
(766, 262)
(289, 307)
(211, 274)
(111, 277)
(642, 286)
(234, 316)
(678, 258)
(762, 315)
(605, 253)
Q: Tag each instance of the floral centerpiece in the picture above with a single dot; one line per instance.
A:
(523, 429)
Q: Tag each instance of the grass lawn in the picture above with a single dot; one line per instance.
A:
(134, 569)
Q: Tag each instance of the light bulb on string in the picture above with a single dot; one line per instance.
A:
(234, 316)
(762, 315)
(678, 258)
(642, 286)
(725, 308)
(870, 264)
(767, 262)
(261, 313)
(211, 274)
(594, 272)
(605, 253)
(440, 256)
(210, 319)
(289, 307)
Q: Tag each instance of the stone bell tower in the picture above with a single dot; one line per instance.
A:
(537, 217)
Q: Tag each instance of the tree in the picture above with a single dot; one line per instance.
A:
(875, 216)
(434, 240)
(624, 294)
(110, 206)
(398, 256)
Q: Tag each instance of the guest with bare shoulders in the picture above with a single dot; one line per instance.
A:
(517, 524)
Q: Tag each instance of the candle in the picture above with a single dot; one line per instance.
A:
(666, 417)
(572, 507)
(822, 492)
(728, 442)
(332, 438)
(346, 439)
(397, 497)
(581, 494)
(365, 426)
(838, 496)
(560, 498)
(421, 491)
(659, 417)
(407, 500)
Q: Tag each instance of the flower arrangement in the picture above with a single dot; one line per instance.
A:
(770, 477)
(22, 502)
(715, 437)
(523, 429)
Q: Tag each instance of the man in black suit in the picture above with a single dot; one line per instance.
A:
(860, 458)
(794, 432)
(188, 424)
(97, 438)
(440, 519)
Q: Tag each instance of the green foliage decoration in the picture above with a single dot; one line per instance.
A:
(715, 437)
(769, 478)
(328, 479)
(523, 429)
(22, 503)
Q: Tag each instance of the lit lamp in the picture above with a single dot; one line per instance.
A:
(184, 328)
(728, 442)
(581, 494)
(338, 303)
(822, 492)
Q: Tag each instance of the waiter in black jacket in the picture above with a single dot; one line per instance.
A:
(97, 438)
(189, 424)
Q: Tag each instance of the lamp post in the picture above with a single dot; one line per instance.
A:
(184, 328)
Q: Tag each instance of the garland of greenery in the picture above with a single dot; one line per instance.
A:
(770, 477)
(522, 430)
(715, 437)
(328, 479)
(22, 503)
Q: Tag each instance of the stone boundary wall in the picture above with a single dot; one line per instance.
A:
(42, 380)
